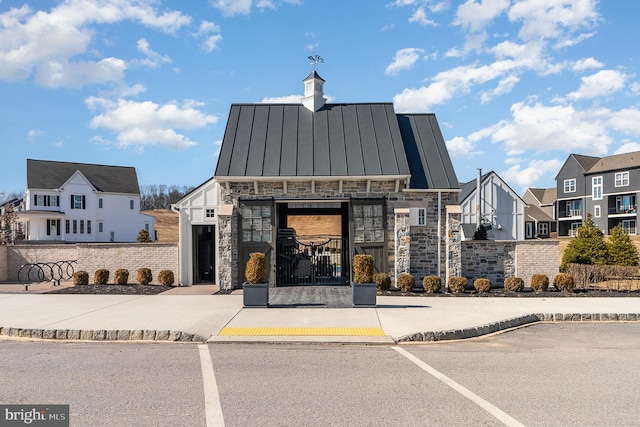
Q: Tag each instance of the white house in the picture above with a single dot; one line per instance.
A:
(78, 202)
(496, 207)
(197, 220)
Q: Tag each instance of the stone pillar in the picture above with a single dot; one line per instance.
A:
(224, 258)
(402, 242)
(453, 242)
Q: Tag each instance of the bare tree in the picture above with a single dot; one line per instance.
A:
(160, 196)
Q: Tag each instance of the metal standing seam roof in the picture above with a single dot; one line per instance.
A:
(46, 174)
(364, 139)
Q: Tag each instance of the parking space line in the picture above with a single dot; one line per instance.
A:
(213, 409)
(491, 409)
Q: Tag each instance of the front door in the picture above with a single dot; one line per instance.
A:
(204, 250)
(368, 225)
(255, 234)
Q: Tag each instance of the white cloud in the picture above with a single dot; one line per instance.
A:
(420, 16)
(141, 124)
(505, 85)
(475, 16)
(153, 59)
(586, 64)
(49, 44)
(535, 171)
(404, 60)
(243, 7)
(210, 32)
(602, 83)
(33, 134)
(628, 147)
(58, 144)
(289, 99)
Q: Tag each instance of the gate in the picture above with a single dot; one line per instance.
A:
(299, 263)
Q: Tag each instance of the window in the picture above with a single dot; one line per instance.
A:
(100, 203)
(67, 227)
(596, 185)
(146, 228)
(256, 223)
(53, 227)
(130, 204)
(574, 229)
(574, 208)
(82, 226)
(210, 213)
(368, 223)
(100, 227)
(629, 226)
(543, 228)
(622, 179)
(88, 226)
(42, 200)
(78, 201)
(422, 216)
(75, 226)
(626, 204)
(596, 211)
(570, 185)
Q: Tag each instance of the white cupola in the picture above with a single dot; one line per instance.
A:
(313, 98)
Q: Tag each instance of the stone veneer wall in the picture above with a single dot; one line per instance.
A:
(94, 256)
(3, 264)
(423, 239)
(537, 257)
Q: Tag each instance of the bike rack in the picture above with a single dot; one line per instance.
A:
(41, 272)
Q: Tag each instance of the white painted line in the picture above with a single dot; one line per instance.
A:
(491, 409)
(213, 409)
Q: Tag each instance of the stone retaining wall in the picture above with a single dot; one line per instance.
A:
(94, 256)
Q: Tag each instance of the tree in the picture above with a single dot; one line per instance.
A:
(588, 247)
(143, 237)
(622, 251)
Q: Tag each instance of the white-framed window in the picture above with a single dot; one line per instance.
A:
(418, 216)
(75, 226)
(574, 208)
(210, 213)
(422, 216)
(100, 227)
(629, 226)
(622, 179)
(67, 226)
(53, 227)
(42, 200)
(543, 228)
(78, 201)
(596, 186)
(570, 185)
(100, 203)
(574, 229)
(597, 211)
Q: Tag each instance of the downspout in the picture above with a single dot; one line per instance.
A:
(439, 233)
(478, 200)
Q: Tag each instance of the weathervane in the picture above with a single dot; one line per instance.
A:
(315, 59)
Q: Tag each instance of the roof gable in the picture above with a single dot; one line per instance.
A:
(45, 174)
(469, 188)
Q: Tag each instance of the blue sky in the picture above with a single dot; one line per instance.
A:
(516, 85)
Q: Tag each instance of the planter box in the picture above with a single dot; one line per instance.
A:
(363, 294)
(255, 294)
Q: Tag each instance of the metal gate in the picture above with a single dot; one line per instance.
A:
(311, 263)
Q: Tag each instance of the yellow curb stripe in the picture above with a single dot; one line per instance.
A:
(278, 331)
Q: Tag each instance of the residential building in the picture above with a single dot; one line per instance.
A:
(540, 222)
(79, 202)
(496, 207)
(604, 187)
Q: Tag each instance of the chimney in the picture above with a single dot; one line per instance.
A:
(313, 98)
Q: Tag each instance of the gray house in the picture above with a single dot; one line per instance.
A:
(364, 178)
(540, 214)
(605, 187)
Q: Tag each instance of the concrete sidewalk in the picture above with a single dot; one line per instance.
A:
(222, 318)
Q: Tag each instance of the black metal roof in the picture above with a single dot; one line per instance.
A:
(342, 140)
(45, 174)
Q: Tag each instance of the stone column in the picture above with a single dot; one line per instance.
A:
(402, 242)
(224, 257)
(453, 242)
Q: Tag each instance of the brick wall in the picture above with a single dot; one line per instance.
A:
(94, 256)
(537, 257)
(3, 264)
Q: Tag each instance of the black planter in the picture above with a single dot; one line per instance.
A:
(363, 294)
(255, 294)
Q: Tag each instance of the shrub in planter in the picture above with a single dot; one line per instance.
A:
(564, 282)
(81, 277)
(539, 282)
(482, 285)
(383, 281)
(432, 284)
(406, 282)
(121, 276)
(101, 277)
(256, 269)
(513, 284)
(144, 276)
(363, 268)
(457, 284)
(165, 278)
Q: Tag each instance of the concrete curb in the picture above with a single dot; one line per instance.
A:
(428, 336)
(458, 334)
(101, 335)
